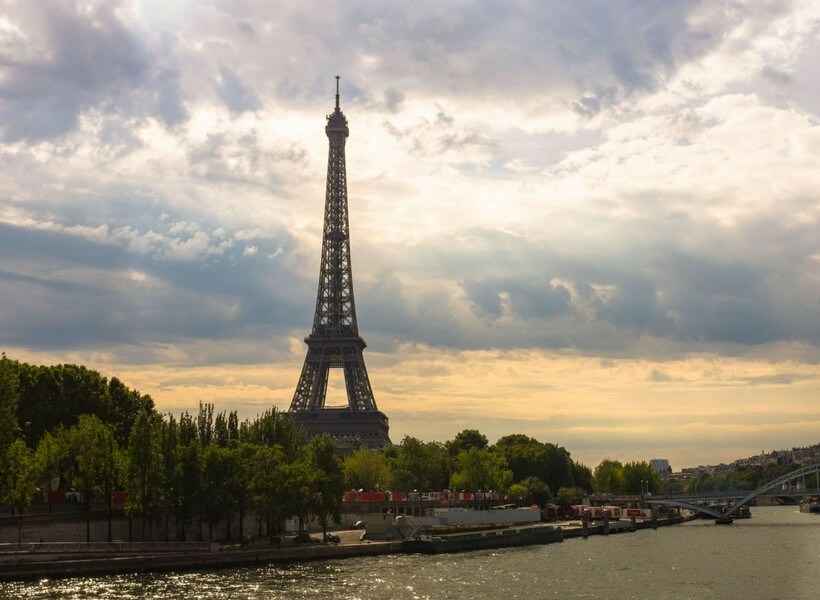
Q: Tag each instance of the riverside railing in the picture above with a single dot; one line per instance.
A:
(106, 547)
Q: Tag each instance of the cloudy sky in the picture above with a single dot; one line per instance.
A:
(596, 223)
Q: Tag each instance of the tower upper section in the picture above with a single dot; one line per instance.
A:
(336, 121)
(335, 314)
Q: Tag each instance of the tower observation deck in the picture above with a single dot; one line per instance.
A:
(334, 341)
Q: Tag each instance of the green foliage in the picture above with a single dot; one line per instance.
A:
(366, 469)
(527, 457)
(481, 470)
(609, 477)
(19, 481)
(736, 480)
(269, 484)
(215, 498)
(144, 477)
(187, 477)
(567, 496)
(517, 492)
(418, 466)
(328, 483)
(241, 471)
(466, 439)
(275, 429)
(92, 444)
(639, 477)
(43, 398)
(537, 492)
(125, 405)
(582, 476)
(9, 400)
(52, 459)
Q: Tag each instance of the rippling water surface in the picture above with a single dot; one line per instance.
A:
(775, 554)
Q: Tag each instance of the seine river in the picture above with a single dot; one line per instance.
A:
(775, 554)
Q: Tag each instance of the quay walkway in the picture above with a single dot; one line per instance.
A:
(60, 560)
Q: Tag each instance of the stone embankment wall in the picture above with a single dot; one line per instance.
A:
(67, 523)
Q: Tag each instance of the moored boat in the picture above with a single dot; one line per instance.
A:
(464, 541)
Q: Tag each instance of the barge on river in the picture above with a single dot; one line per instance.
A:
(463, 541)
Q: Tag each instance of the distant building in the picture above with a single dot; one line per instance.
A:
(660, 466)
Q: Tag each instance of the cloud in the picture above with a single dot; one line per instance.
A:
(65, 59)
(236, 96)
(608, 183)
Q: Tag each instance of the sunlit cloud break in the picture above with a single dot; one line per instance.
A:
(594, 225)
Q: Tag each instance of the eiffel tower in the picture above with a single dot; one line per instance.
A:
(334, 341)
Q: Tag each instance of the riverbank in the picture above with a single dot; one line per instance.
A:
(32, 562)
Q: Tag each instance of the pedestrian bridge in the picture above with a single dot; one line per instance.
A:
(774, 483)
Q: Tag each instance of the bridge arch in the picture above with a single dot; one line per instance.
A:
(798, 473)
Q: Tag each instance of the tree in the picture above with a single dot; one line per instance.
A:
(215, 500)
(51, 457)
(567, 496)
(705, 482)
(464, 440)
(172, 474)
(240, 460)
(269, 484)
(536, 491)
(144, 471)
(525, 456)
(481, 470)
(558, 466)
(517, 492)
(410, 467)
(582, 476)
(187, 485)
(9, 400)
(93, 445)
(125, 405)
(366, 469)
(328, 484)
(275, 429)
(58, 395)
(472, 470)
(640, 477)
(608, 477)
(20, 481)
(205, 424)
(301, 485)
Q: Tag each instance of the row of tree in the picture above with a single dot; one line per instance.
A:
(36, 399)
(204, 469)
(519, 466)
(735, 480)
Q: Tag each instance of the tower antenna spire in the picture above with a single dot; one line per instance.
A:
(337, 92)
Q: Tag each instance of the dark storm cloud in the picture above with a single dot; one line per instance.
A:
(748, 284)
(528, 298)
(390, 312)
(226, 295)
(72, 60)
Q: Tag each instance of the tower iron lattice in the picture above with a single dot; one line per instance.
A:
(334, 341)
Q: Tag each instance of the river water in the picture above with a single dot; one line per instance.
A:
(773, 555)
